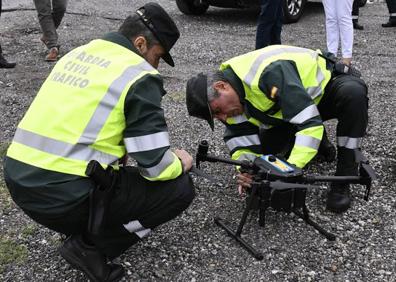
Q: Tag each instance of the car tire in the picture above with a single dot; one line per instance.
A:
(188, 7)
(293, 10)
(362, 3)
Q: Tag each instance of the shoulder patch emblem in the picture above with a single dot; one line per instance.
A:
(274, 91)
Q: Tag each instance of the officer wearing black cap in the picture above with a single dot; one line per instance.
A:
(102, 101)
(274, 101)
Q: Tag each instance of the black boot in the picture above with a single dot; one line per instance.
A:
(89, 260)
(338, 198)
(356, 25)
(390, 23)
(326, 149)
(4, 64)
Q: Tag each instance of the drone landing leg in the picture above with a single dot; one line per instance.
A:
(237, 235)
(309, 221)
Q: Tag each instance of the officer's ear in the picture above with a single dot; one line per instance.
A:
(220, 85)
(140, 44)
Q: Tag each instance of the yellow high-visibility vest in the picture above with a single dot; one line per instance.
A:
(250, 66)
(314, 77)
(78, 114)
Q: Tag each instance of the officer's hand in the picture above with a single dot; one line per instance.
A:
(244, 181)
(185, 158)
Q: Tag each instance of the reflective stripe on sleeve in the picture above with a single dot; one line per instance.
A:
(309, 112)
(243, 141)
(314, 92)
(147, 142)
(110, 100)
(52, 146)
(349, 142)
(154, 171)
(307, 141)
(136, 227)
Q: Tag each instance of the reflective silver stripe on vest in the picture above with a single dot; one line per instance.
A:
(307, 141)
(309, 112)
(265, 55)
(392, 14)
(243, 141)
(136, 227)
(110, 100)
(156, 170)
(316, 90)
(52, 146)
(147, 142)
(349, 142)
(239, 119)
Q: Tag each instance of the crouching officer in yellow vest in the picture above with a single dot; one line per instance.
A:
(274, 100)
(100, 102)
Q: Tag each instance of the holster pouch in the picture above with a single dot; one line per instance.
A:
(100, 196)
(340, 68)
(337, 67)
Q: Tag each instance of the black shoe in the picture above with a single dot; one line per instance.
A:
(327, 150)
(390, 23)
(89, 260)
(338, 198)
(357, 26)
(6, 65)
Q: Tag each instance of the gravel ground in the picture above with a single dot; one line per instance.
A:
(192, 247)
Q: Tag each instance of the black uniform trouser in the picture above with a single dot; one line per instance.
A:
(355, 10)
(269, 24)
(141, 203)
(392, 9)
(345, 98)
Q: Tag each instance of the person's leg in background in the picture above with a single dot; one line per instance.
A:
(268, 18)
(46, 21)
(391, 4)
(58, 11)
(344, 15)
(345, 99)
(4, 64)
(355, 15)
(277, 27)
(332, 28)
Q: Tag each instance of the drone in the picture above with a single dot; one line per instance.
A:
(281, 186)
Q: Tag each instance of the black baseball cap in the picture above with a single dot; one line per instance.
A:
(197, 98)
(162, 26)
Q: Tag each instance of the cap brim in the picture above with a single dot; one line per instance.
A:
(210, 118)
(168, 59)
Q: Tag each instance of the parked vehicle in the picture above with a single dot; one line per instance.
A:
(293, 9)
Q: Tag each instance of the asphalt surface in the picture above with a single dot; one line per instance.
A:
(192, 247)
